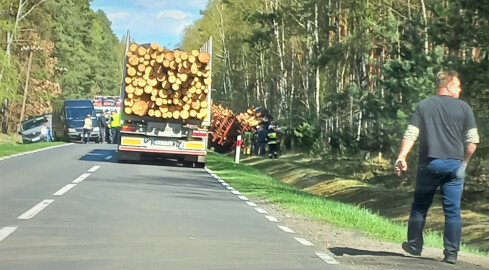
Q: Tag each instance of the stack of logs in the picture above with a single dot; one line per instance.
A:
(167, 84)
(226, 125)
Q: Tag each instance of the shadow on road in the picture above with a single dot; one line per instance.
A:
(97, 155)
(341, 251)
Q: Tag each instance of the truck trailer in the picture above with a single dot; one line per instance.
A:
(166, 110)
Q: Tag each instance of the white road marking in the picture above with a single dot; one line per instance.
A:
(214, 175)
(271, 218)
(207, 170)
(221, 181)
(235, 192)
(225, 184)
(243, 198)
(252, 204)
(303, 241)
(109, 157)
(286, 229)
(6, 231)
(93, 169)
(230, 188)
(261, 210)
(64, 190)
(80, 178)
(35, 210)
(326, 258)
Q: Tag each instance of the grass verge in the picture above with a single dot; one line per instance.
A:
(254, 183)
(9, 148)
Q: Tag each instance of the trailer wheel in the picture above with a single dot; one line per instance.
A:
(199, 164)
(188, 164)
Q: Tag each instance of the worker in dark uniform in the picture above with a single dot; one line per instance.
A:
(261, 140)
(272, 142)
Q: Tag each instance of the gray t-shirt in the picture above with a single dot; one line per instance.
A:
(443, 122)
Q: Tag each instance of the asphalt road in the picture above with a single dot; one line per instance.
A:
(74, 207)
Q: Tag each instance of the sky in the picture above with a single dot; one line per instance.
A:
(151, 21)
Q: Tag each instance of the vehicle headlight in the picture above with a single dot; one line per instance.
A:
(71, 130)
(96, 129)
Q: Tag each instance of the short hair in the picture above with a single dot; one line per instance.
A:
(444, 77)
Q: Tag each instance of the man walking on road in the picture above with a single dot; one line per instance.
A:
(448, 137)
(102, 123)
(115, 125)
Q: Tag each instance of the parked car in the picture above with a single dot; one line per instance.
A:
(30, 129)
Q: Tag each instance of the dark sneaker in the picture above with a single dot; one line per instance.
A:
(451, 259)
(411, 250)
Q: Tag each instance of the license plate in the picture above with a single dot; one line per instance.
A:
(163, 143)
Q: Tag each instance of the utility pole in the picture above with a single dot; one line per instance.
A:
(31, 49)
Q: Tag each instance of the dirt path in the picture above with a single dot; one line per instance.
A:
(355, 251)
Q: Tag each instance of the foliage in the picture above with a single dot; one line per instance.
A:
(353, 69)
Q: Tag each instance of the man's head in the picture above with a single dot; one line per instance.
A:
(449, 84)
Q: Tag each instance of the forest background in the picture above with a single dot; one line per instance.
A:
(341, 77)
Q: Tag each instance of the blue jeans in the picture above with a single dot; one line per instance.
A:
(49, 135)
(448, 174)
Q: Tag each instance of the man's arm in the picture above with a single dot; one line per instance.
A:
(469, 151)
(406, 146)
(410, 137)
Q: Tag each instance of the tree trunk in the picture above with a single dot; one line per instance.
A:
(24, 99)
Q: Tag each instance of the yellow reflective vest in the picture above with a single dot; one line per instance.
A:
(272, 137)
(116, 121)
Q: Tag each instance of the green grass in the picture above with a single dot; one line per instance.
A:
(254, 183)
(10, 148)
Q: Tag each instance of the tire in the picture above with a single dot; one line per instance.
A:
(188, 164)
(199, 164)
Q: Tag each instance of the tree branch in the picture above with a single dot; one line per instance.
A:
(32, 8)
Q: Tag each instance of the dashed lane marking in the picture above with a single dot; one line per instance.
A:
(286, 229)
(304, 241)
(252, 204)
(326, 258)
(272, 218)
(6, 231)
(225, 184)
(35, 210)
(80, 178)
(261, 210)
(64, 190)
(93, 169)
(235, 192)
(230, 188)
(243, 198)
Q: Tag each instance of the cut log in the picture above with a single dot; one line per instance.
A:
(204, 58)
(133, 47)
(140, 108)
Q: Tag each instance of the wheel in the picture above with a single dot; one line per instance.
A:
(199, 164)
(188, 164)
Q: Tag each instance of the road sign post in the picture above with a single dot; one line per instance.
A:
(239, 141)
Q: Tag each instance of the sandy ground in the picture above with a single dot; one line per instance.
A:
(355, 251)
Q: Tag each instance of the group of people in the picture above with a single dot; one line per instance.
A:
(108, 124)
(256, 140)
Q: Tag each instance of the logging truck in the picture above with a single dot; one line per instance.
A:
(166, 104)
